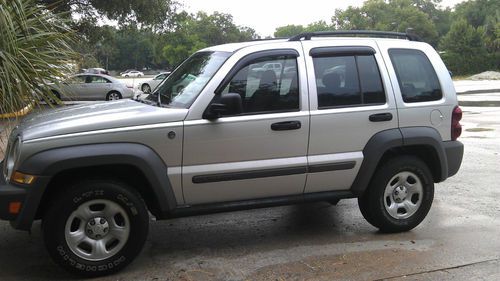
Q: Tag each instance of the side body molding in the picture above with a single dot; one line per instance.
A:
(50, 162)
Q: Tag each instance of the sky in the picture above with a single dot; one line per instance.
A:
(265, 15)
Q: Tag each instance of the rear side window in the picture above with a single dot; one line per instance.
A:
(416, 76)
(352, 80)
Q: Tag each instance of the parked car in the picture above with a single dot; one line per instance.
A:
(383, 133)
(97, 70)
(149, 85)
(128, 70)
(274, 66)
(91, 87)
(133, 73)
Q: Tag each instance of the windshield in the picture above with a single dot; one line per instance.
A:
(181, 88)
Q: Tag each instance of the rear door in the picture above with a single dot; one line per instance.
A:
(351, 100)
(97, 87)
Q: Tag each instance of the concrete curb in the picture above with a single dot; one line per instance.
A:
(19, 113)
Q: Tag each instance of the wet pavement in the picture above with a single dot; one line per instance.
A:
(459, 239)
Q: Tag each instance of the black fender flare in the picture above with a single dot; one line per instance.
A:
(49, 163)
(383, 141)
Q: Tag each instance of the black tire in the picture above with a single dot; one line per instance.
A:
(108, 96)
(63, 213)
(373, 203)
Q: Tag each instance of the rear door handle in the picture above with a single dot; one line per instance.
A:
(287, 125)
(380, 117)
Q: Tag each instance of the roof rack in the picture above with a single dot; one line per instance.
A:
(366, 33)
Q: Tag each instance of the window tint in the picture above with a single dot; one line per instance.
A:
(347, 81)
(416, 76)
(265, 88)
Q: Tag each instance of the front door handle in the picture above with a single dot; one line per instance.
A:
(380, 117)
(287, 125)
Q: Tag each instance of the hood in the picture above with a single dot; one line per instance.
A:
(96, 116)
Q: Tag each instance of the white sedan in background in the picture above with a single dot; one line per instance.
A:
(149, 85)
(88, 86)
(133, 73)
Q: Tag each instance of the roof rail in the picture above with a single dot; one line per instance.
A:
(366, 33)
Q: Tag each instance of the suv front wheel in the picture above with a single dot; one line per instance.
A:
(96, 228)
(399, 196)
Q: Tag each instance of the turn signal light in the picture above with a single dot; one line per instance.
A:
(14, 207)
(21, 178)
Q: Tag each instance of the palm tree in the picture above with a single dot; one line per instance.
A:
(34, 51)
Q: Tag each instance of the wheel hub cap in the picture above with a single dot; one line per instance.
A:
(400, 194)
(97, 228)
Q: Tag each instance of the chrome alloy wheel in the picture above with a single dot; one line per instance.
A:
(403, 195)
(97, 230)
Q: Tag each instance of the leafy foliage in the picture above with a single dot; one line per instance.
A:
(156, 13)
(393, 15)
(194, 32)
(34, 51)
(468, 37)
(291, 30)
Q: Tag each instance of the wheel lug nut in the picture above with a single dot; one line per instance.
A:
(89, 231)
(92, 222)
(98, 236)
(102, 221)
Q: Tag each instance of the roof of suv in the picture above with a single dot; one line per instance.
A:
(323, 35)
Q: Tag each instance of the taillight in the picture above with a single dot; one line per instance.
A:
(456, 128)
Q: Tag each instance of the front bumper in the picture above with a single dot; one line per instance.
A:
(9, 194)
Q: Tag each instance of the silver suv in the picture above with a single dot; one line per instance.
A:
(372, 117)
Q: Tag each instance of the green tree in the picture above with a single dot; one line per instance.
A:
(463, 47)
(291, 30)
(34, 51)
(288, 31)
(194, 32)
(391, 15)
(147, 12)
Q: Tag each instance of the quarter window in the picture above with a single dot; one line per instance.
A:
(265, 87)
(348, 81)
(416, 76)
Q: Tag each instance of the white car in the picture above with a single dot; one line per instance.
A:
(89, 86)
(133, 73)
(149, 85)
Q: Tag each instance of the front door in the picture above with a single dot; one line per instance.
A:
(260, 152)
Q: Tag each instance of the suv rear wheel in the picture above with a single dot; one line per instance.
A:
(400, 195)
(96, 228)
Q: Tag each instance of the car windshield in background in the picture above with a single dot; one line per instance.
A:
(181, 88)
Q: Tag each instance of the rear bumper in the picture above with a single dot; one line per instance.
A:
(9, 194)
(454, 153)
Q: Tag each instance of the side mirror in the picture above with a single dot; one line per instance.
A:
(223, 105)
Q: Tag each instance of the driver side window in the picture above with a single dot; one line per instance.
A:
(265, 89)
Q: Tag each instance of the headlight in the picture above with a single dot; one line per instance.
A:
(12, 157)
